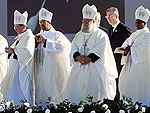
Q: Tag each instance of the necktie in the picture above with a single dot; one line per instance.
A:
(111, 31)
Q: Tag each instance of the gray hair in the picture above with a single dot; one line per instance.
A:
(113, 10)
(98, 16)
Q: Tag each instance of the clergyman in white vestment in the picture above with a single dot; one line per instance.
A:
(3, 59)
(52, 64)
(17, 84)
(94, 69)
(134, 79)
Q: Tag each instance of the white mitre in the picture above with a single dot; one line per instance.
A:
(44, 14)
(20, 18)
(88, 12)
(142, 14)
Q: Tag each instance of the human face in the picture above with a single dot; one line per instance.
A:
(139, 24)
(87, 25)
(45, 25)
(19, 28)
(111, 18)
(97, 21)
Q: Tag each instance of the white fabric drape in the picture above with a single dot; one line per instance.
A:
(96, 79)
(134, 78)
(17, 84)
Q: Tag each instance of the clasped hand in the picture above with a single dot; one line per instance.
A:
(84, 60)
(9, 50)
(40, 38)
(126, 50)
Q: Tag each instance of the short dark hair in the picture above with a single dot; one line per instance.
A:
(20, 24)
(141, 21)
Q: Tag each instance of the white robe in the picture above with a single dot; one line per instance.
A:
(3, 59)
(134, 79)
(96, 79)
(53, 68)
(17, 84)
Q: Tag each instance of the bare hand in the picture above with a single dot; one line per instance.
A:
(87, 60)
(40, 38)
(84, 60)
(9, 50)
(127, 49)
(81, 59)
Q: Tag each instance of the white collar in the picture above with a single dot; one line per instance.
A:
(114, 26)
(51, 34)
(136, 34)
(22, 34)
(142, 30)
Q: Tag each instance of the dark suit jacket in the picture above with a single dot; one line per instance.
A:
(120, 34)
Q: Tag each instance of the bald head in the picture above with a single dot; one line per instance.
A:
(98, 19)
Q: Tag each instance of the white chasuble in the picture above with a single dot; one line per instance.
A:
(134, 79)
(51, 79)
(3, 60)
(96, 79)
(17, 84)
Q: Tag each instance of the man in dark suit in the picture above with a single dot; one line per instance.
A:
(118, 33)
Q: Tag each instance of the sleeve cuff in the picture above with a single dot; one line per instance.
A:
(75, 56)
(15, 56)
(9, 54)
(45, 43)
(36, 44)
(93, 57)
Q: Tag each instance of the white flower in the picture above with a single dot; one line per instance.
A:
(16, 111)
(55, 106)
(69, 112)
(9, 103)
(80, 109)
(2, 107)
(143, 109)
(121, 111)
(140, 112)
(100, 102)
(82, 106)
(26, 104)
(47, 111)
(105, 106)
(108, 111)
(93, 111)
(69, 105)
(126, 102)
(29, 111)
(52, 103)
(136, 107)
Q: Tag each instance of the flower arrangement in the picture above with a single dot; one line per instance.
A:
(107, 106)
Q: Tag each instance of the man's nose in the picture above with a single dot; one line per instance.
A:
(86, 22)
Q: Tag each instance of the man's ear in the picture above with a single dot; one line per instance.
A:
(116, 16)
